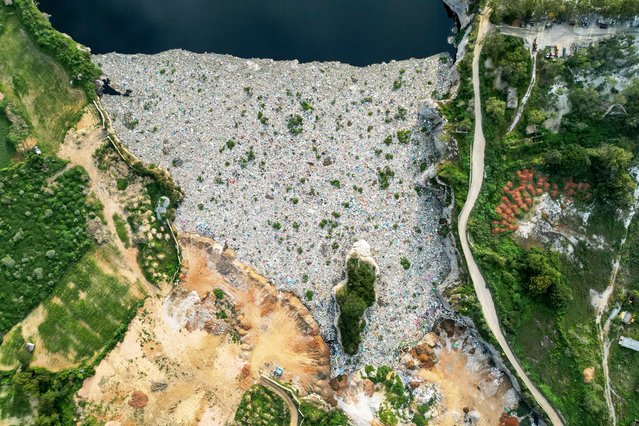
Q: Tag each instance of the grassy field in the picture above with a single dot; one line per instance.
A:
(36, 84)
(87, 308)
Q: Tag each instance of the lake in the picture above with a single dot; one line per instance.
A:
(358, 32)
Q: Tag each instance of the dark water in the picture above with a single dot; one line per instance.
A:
(358, 32)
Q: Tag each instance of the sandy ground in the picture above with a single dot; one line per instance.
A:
(194, 365)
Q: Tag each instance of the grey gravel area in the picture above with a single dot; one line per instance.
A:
(292, 199)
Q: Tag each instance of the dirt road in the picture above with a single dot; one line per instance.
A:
(476, 180)
(285, 396)
(522, 104)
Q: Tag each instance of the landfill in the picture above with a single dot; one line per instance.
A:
(290, 163)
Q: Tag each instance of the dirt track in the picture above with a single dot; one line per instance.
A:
(476, 179)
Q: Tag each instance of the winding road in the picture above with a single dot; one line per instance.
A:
(275, 387)
(476, 180)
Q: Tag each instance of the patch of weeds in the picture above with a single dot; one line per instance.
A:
(294, 124)
(405, 263)
(403, 136)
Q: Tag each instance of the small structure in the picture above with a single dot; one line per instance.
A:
(29, 347)
(629, 343)
(627, 317)
(531, 130)
(37, 150)
(512, 100)
(278, 371)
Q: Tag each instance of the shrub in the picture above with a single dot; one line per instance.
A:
(403, 136)
(309, 295)
(405, 263)
(294, 124)
(122, 184)
(384, 176)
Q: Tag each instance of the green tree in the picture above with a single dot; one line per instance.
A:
(496, 108)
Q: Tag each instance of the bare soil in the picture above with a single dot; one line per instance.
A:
(199, 363)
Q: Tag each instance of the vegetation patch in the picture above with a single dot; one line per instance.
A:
(75, 59)
(35, 85)
(43, 397)
(353, 299)
(43, 229)
(314, 415)
(7, 149)
(88, 308)
(261, 406)
(543, 296)
(121, 230)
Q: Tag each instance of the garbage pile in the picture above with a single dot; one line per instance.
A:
(289, 164)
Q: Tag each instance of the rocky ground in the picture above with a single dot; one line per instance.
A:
(451, 376)
(290, 164)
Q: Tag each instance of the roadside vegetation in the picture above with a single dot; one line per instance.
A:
(624, 363)
(261, 406)
(582, 157)
(509, 10)
(314, 415)
(357, 295)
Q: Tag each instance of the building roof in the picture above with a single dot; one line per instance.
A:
(629, 343)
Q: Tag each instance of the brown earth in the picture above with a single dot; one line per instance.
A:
(192, 361)
(464, 375)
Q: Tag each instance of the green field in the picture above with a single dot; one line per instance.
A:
(36, 84)
(87, 308)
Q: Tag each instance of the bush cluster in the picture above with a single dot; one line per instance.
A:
(353, 298)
